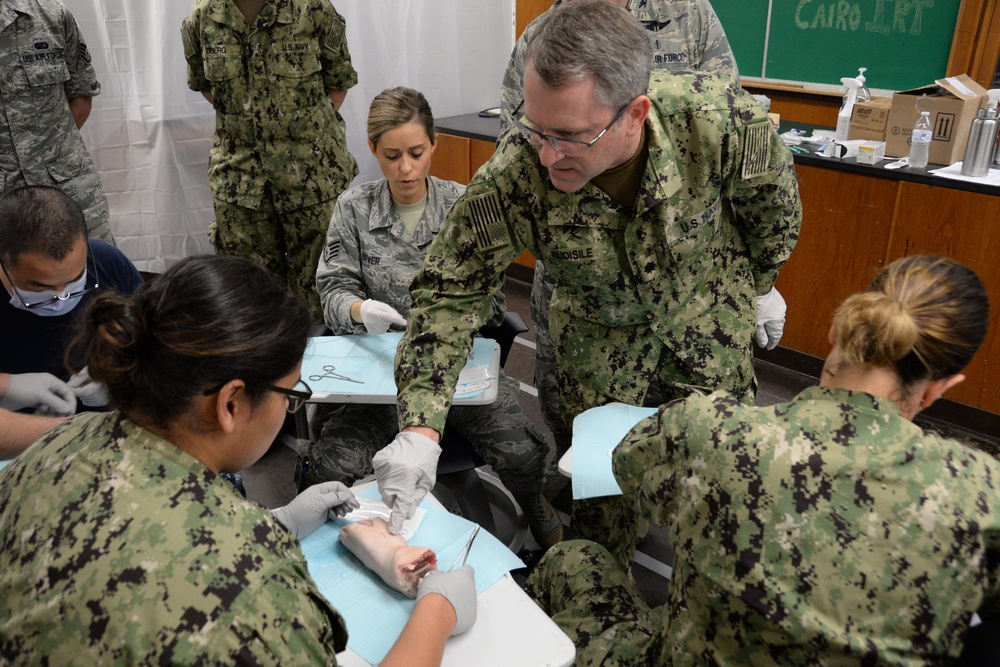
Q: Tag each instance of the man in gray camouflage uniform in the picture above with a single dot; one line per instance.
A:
(276, 73)
(46, 86)
(685, 35)
(371, 255)
(662, 206)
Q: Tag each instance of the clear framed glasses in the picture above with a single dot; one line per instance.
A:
(297, 396)
(65, 296)
(564, 145)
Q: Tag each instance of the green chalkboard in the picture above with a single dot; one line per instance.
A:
(903, 43)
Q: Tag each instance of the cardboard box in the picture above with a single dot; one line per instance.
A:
(870, 119)
(871, 152)
(953, 103)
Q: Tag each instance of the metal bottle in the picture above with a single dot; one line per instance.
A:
(982, 143)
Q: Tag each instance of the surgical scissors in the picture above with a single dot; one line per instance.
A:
(328, 373)
(464, 553)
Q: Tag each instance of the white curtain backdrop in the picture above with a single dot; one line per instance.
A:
(150, 136)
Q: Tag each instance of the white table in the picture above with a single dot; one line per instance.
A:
(510, 630)
(370, 358)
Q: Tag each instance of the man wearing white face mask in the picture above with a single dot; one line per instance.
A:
(49, 270)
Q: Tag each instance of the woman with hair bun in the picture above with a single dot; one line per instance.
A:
(119, 544)
(826, 530)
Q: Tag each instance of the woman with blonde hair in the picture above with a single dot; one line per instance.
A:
(378, 237)
(826, 530)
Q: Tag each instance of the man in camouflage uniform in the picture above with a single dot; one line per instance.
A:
(372, 255)
(276, 72)
(828, 529)
(172, 567)
(685, 35)
(46, 86)
(660, 225)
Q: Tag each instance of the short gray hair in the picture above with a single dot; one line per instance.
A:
(592, 38)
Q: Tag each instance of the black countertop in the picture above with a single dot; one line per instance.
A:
(473, 126)
(470, 125)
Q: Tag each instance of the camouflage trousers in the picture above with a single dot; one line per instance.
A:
(286, 243)
(580, 585)
(608, 521)
(500, 433)
(546, 381)
(86, 190)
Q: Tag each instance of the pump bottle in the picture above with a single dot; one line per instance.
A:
(863, 93)
(851, 88)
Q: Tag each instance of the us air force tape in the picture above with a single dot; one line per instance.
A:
(488, 223)
(756, 148)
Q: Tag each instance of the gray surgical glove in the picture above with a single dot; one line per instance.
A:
(311, 508)
(459, 588)
(378, 317)
(770, 319)
(405, 469)
(42, 392)
(88, 392)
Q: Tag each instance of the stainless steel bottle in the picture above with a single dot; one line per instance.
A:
(982, 143)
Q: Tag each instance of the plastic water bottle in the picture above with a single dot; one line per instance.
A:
(920, 142)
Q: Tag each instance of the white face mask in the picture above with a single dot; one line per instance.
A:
(62, 302)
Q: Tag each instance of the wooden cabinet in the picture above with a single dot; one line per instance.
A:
(457, 159)
(854, 224)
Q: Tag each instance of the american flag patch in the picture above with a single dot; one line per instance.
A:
(488, 222)
(756, 148)
(332, 251)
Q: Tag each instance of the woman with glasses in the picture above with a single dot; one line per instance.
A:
(378, 237)
(118, 541)
(829, 529)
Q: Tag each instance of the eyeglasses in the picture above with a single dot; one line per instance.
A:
(65, 296)
(565, 146)
(297, 397)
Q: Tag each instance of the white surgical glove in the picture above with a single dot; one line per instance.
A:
(88, 392)
(405, 470)
(311, 508)
(378, 317)
(458, 587)
(770, 319)
(43, 392)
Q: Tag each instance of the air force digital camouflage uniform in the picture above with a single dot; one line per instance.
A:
(371, 255)
(685, 35)
(280, 158)
(646, 302)
(144, 556)
(825, 530)
(43, 63)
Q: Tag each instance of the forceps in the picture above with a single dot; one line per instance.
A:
(464, 553)
(328, 373)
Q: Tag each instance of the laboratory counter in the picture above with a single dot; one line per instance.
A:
(856, 219)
